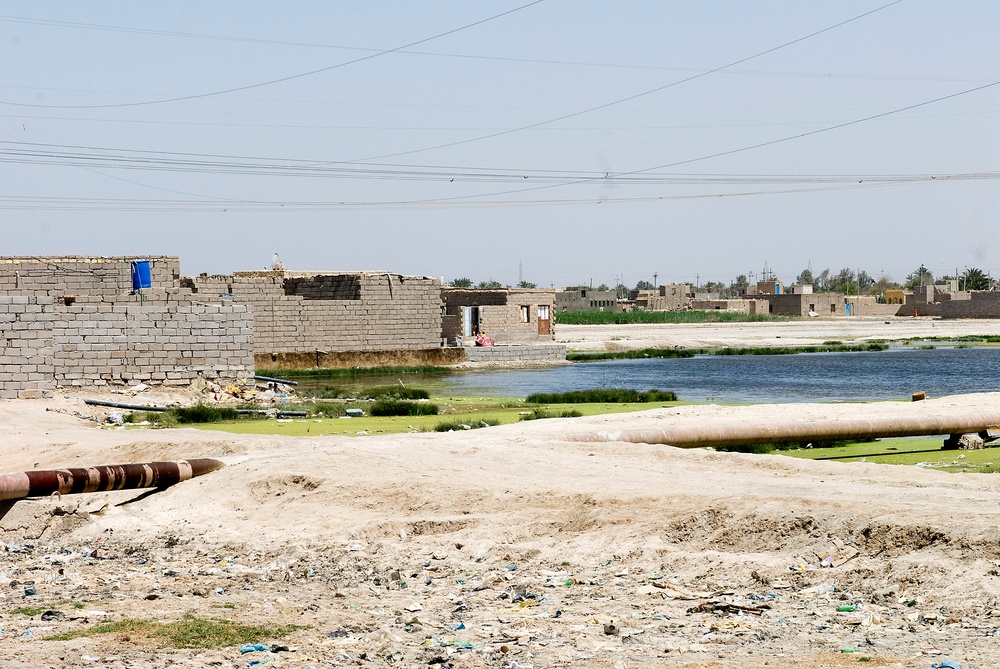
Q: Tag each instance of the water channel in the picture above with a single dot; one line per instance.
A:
(805, 377)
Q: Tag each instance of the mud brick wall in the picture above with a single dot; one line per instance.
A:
(46, 344)
(57, 276)
(355, 311)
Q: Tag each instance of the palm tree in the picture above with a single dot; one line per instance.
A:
(974, 279)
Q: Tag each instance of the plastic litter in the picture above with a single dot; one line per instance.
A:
(946, 664)
(253, 647)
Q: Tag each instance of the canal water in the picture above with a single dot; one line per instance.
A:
(805, 377)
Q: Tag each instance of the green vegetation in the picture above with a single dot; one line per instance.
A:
(29, 610)
(372, 393)
(540, 414)
(402, 408)
(787, 446)
(455, 426)
(792, 350)
(628, 355)
(925, 451)
(631, 317)
(188, 632)
(608, 395)
(203, 413)
(826, 347)
(352, 372)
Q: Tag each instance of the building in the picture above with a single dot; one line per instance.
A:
(806, 304)
(583, 298)
(671, 297)
(508, 315)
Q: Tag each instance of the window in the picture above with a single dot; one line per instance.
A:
(543, 312)
(525, 313)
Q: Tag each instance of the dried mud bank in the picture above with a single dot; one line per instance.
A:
(779, 333)
(506, 547)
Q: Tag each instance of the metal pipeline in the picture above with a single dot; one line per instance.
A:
(43, 482)
(823, 430)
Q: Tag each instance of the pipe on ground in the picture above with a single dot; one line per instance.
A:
(801, 431)
(43, 482)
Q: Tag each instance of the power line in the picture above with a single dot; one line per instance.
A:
(631, 97)
(438, 54)
(32, 153)
(611, 177)
(283, 79)
(17, 202)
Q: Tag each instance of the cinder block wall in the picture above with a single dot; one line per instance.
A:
(355, 311)
(46, 344)
(975, 305)
(57, 276)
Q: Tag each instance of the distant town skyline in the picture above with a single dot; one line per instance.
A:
(551, 141)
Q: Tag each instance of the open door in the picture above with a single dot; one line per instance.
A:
(544, 324)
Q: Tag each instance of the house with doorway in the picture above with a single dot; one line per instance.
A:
(508, 315)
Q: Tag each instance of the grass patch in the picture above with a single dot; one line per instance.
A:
(788, 446)
(457, 426)
(639, 353)
(352, 372)
(792, 350)
(540, 414)
(633, 317)
(606, 395)
(203, 413)
(373, 393)
(29, 610)
(188, 632)
(925, 451)
(388, 407)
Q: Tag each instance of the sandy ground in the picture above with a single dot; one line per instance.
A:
(513, 546)
(789, 333)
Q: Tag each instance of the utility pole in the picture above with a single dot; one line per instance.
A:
(654, 280)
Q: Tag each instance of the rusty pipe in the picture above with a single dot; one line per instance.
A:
(785, 432)
(39, 483)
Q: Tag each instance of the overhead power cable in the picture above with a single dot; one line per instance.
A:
(631, 97)
(15, 202)
(279, 80)
(103, 157)
(439, 54)
(612, 177)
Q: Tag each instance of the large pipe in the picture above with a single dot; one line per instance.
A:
(43, 482)
(285, 382)
(800, 431)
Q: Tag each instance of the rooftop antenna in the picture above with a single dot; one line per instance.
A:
(520, 273)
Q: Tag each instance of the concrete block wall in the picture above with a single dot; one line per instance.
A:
(46, 344)
(972, 304)
(355, 311)
(56, 276)
(540, 354)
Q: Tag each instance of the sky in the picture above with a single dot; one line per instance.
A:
(561, 142)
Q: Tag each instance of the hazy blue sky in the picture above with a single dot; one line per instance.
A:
(580, 140)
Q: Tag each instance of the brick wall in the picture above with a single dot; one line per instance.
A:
(46, 344)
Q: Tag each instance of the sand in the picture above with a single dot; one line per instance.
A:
(512, 546)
